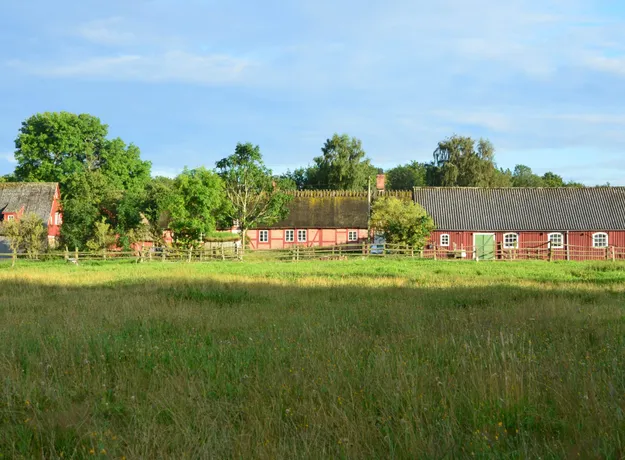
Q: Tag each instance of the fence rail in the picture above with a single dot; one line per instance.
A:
(529, 251)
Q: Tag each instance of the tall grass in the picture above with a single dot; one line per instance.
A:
(354, 359)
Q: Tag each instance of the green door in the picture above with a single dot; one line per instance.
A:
(485, 247)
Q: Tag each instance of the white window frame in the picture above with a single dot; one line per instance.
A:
(442, 244)
(58, 220)
(289, 236)
(554, 245)
(351, 233)
(602, 234)
(299, 236)
(264, 233)
(10, 217)
(507, 245)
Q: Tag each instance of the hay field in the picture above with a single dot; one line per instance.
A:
(348, 359)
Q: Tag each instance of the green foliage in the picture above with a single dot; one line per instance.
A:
(103, 237)
(194, 201)
(33, 234)
(98, 177)
(401, 222)
(460, 163)
(524, 177)
(254, 196)
(405, 177)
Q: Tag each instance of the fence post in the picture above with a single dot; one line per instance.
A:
(76, 253)
(550, 252)
(163, 253)
(435, 255)
(607, 253)
(364, 248)
(613, 254)
(190, 254)
(66, 253)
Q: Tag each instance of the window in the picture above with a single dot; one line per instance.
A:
(445, 240)
(301, 236)
(10, 217)
(600, 240)
(263, 236)
(352, 235)
(556, 240)
(57, 219)
(510, 241)
(289, 236)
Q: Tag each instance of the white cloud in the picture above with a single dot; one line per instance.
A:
(612, 65)
(9, 157)
(106, 32)
(172, 66)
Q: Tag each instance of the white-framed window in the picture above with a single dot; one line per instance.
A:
(10, 217)
(263, 236)
(556, 240)
(289, 236)
(599, 240)
(444, 240)
(58, 220)
(510, 241)
(352, 235)
(302, 236)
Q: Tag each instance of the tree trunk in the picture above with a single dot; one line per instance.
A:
(14, 258)
(243, 235)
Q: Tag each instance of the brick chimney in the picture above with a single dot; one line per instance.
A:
(379, 182)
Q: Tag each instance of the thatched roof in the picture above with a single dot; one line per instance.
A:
(34, 197)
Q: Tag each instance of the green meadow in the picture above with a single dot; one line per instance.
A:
(340, 359)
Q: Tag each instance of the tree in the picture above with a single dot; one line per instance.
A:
(550, 179)
(460, 164)
(342, 165)
(254, 196)
(195, 201)
(401, 222)
(95, 173)
(523, 176)
(406, 177)
(12, 231)
(33, 235)
(103, 237)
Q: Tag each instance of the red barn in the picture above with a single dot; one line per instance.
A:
(557, 223)
(18, 199)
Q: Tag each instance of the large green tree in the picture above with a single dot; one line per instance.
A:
(523, 176)
(342, 165)
(405, 177)
(99, 177)
(461, 162)
(401, 222)
(255, 197)
(194, 203)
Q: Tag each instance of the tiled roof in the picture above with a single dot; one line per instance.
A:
(524, 209)
(35, 197)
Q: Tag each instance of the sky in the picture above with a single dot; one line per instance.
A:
(185, 80)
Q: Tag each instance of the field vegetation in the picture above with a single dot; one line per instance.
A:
(341, 359)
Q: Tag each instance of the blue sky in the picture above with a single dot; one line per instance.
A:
(186, 80)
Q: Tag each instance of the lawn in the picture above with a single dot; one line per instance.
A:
(352, 359)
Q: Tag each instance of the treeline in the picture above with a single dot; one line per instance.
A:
(110, 197)
(457, 162)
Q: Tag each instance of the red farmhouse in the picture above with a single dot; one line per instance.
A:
(563, 223)
(18, 199)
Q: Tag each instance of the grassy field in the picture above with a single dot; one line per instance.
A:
(352, 359)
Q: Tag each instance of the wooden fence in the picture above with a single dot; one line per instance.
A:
(530, 251)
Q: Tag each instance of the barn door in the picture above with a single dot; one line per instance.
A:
(485, 246)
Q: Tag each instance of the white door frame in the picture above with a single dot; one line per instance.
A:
(494, 235)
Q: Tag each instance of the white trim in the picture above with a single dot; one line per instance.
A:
(556, 246)
(260, 236)
(10, 217)
(300, 240)
(516, 242)
(494, 235)
(607, 239)
(349, 236)
(286, 238)
(441, 240)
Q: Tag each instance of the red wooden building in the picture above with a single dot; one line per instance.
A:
(18, 199)
(560, 223)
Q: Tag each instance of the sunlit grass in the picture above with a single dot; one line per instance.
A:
(360, 359)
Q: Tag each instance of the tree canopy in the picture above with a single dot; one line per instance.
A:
(401, 222)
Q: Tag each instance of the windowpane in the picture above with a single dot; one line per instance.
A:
(510, 241)
(352, 236)
(600, 240)
(301, 236)
(289, 236)
(264, 236)
(444, 240)
(556, 240)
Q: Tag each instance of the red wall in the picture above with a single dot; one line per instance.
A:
(315, 237)
(55, 230)
(579, 242)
